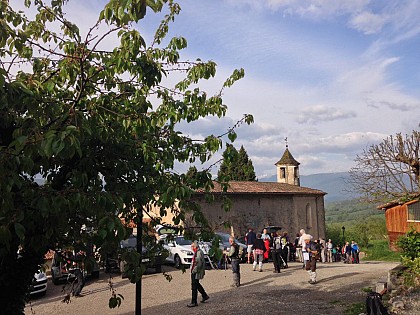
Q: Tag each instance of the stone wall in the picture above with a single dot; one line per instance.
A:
(291, 212)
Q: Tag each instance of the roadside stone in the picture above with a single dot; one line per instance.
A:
(398, 304)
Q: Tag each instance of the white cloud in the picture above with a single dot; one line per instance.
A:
(367, 22)
(317, 8)
(320, 113)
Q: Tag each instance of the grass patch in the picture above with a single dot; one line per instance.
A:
(367, 289)
(355, 309)
(335, 302)
(378, 250)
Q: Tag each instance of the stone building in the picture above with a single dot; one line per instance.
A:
(257, 204)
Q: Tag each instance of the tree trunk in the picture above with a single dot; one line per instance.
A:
(16, 274)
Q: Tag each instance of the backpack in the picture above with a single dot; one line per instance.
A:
(240, 251)
(374, 304)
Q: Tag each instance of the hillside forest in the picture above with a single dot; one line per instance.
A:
(362, 223)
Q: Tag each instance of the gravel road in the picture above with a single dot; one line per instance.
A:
(339, 286)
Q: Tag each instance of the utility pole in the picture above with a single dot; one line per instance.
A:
(139, 218)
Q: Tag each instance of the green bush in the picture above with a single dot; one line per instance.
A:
(410, 245)
(412, 276)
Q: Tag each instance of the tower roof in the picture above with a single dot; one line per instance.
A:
(287, 159)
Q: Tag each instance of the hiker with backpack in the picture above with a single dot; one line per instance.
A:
(233, 254)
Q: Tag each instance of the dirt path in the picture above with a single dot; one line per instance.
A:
(338, 287)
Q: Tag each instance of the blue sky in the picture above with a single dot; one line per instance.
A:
(331, 76)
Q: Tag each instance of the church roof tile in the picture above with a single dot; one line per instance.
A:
(242, 187)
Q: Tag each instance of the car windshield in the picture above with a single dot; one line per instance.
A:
(166, 230)
(225, 237)
(182, 241)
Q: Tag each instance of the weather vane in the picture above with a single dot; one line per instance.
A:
(285, 139)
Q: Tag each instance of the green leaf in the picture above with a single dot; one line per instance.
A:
(5, 236)
(20, 231)
(232, 136)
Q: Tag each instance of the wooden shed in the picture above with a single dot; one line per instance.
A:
(400, 218)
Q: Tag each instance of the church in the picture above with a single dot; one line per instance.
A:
(258, 204)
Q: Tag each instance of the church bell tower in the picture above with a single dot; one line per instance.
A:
(288, 168)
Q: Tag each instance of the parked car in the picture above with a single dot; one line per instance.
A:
(39, 284)
(63, 266)
(225, 245)
(179, 250)
(114, 260)
(164, 230)
(39, 281)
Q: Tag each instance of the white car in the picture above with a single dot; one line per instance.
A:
(179, 250)
(39, 284)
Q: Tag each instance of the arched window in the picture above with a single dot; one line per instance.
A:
(308, 216)
(282, 172)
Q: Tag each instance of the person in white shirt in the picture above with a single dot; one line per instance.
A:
(329, 250)
(303, 244)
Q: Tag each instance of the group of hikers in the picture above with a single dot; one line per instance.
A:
(277, 246)
(280, 248)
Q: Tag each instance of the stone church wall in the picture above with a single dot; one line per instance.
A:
(291, 212)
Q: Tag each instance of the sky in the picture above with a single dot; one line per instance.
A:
(333, 77)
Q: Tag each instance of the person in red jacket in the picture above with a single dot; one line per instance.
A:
(267, 244)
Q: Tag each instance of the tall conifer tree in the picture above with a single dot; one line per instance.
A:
(236, 165)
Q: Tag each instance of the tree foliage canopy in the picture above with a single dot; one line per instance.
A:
(236, 165)
(97, 124)
(389, 170)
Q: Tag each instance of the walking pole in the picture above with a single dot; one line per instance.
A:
(284, 264)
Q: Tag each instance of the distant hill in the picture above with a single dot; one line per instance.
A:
(351, 211)
(334, 184)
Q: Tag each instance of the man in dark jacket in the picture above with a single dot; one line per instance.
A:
(276, 252)
(259, 249)
(250, 238)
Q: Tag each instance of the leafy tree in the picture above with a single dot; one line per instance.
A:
(372, 228)
(389, 170)
(98, 126)
(236, 165)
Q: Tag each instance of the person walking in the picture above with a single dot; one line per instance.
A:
(259, 249)
(311, 251)
(276, 252)
(249, 239)
(198, 265)
(233, 254)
